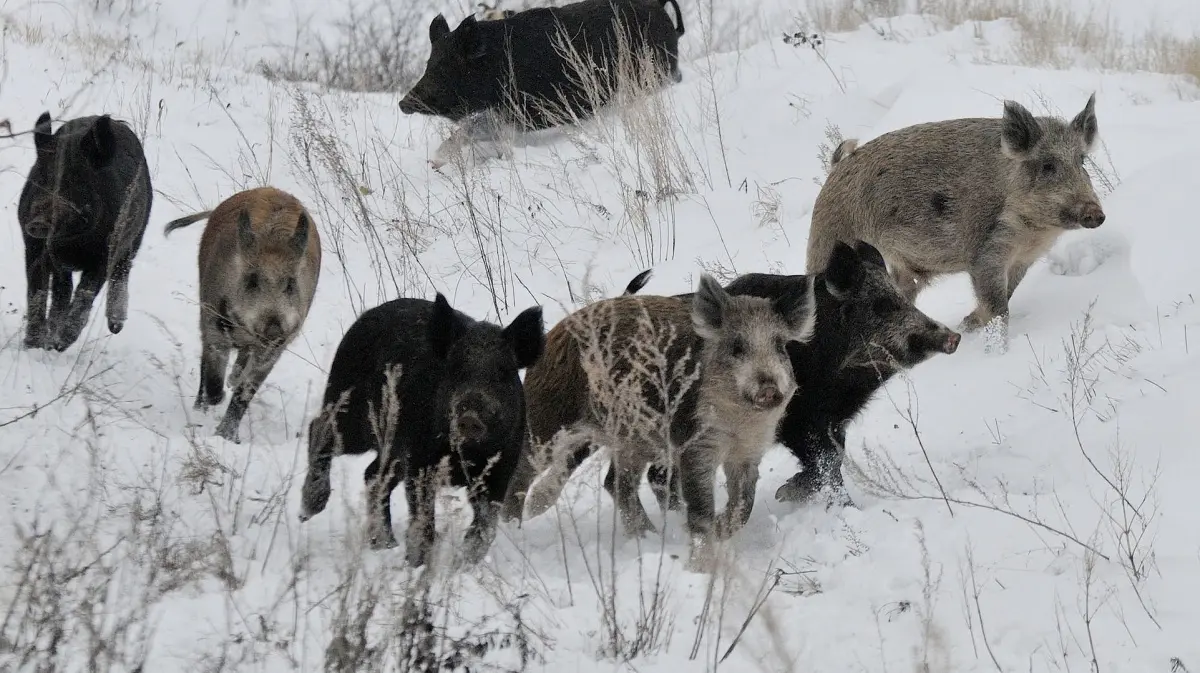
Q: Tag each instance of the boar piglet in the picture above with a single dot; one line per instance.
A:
(690, 384)
(427, 388)
(987, 196)
(516, 66)
(260, 259)
(865, 334)
(84, 207)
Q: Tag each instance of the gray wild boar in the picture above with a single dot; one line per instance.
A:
(986, 196)
(486, 65)
(708, 379)
(84, 207)
(450, 385)
(260, 258)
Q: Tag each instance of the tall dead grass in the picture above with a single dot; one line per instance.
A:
(1050, 34)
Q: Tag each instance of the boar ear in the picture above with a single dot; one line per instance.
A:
(245, 231)
(98, 143)
(708, 307)
(43, 134)
(844, 273)
(444, 327)
(469, 41)
(1085, 123)
(799, 310)
(870, 254)
(1019, 131)
(527, 336)
(438, 28)
(299, 240)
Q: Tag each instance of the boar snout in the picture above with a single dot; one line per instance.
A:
(408, 105)
(951, 343)
(767, 395)
(273, 332)
(471, 428)
(38, 229)
(1088, 215)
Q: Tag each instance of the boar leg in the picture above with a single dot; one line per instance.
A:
(259, 364)
(1016, 273)
(741, 482)
(421, 492)
(989, 277)
(697, 477)
(117, 309)
(665, 487)
(37, 286)
(629, 479)
(68, 331)
(482, 532)
(821, 456)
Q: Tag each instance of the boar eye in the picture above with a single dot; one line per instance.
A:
(737, 347)
(290, 288)
(251, 282)
(781, 344)
(1048, 167)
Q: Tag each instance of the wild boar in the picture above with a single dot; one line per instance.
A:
(260, 260)
(84, 207)
(986, 196)
(422, 385)
(517, 66)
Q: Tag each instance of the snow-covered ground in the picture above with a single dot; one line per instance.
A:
(1068, 540)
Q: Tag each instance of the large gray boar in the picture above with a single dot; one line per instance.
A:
(84, 207)
(706, 379)
(488, 65)
(260, 259)
(987, 196)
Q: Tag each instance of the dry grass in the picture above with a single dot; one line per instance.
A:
(1050, 33)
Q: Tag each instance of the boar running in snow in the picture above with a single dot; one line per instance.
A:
(707, 379)
(986, 196)
(518, 66)
(260, 258)
(422, 384)
(84, 207)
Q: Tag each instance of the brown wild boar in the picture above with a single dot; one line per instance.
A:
(260, 258)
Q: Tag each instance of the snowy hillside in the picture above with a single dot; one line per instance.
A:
(1060, 533)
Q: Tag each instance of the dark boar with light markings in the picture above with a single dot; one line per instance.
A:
(84, 207)
(260, 259)
(988, 196)
(707, 379)
(422, 384)
(486, 65)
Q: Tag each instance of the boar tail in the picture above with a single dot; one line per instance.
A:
(639, 281)
(185, 221)
(678, 15)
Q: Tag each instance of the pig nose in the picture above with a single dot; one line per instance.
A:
(951, 343)
(768, 396)
(471, 428)
(273, 331)
(1092, 216)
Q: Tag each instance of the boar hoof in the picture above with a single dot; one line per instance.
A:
(35, 339)
(799, 488)
(115, 326)
(702, 558)
(228, 432)
(415, 557)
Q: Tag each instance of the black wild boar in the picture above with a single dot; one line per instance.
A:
(84, 207)
(260, 259)
(708, 379)
(486, 66)
(987, 196)
(420, 383)
(865, 333)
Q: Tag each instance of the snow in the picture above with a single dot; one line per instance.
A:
(904, 582)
